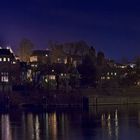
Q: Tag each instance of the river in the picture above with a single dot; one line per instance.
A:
(97, 123)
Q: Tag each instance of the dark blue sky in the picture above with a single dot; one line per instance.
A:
(112, 26)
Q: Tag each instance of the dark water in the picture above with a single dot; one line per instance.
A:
(102, 123)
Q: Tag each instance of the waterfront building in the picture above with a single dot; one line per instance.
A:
(9, 69)
(40, 57)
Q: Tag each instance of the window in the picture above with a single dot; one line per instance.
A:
(108, 78)
(14, 62)
(4, 59)
(4, 77)
(0, 59)
(52, 77)
(8, 59)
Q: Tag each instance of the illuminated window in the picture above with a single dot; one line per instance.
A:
(108, 78)
(46, 80)
(8, 59)
(115, 73)
(52, 77)
(33, 59)
(65, 61)
(58, 60)
(103, 78)
(46, 55)
(4, 59)
(0, 59)
(14, 62)
(4, 77)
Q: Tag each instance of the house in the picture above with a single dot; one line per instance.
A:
(9, 69)
(40, 57)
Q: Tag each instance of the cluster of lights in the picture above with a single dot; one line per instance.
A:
(112, 73)
(4, 59)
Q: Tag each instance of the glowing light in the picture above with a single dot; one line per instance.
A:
(46, 80)
(4, 77)
(6, 128)
(52, 77)
(4, 59)
(108, 78)
(37, 128)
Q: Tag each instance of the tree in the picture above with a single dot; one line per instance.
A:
(100, 59)
(68, 50)
(25, 50)
(88, 71)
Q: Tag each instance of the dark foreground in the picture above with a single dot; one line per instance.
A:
(99, 123)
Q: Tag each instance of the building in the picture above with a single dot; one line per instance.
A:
(9, 69)
(40, 57)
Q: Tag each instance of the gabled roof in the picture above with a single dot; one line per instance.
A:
(6, 52)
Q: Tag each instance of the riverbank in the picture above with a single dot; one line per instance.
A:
(112, 100)
(76, 98)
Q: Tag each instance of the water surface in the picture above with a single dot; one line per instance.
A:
(98, 123)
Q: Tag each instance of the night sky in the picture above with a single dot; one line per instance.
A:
(111, 26)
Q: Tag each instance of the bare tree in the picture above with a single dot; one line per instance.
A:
(25, 49)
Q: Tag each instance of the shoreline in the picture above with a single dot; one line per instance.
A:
(79, 98)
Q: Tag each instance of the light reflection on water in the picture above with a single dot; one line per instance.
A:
(102, 123)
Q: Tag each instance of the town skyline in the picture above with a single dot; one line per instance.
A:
(110, 26)
(15, 48)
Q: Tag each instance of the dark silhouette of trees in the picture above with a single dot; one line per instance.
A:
(25, 49)
(88, 71)
(100, 59)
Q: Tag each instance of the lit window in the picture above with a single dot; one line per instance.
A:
(108, 77)
(65, 61)
(8, 59)
(58, 59)
(46, 54)
(46, 80)
(52, 77)
(52, 70)
(0, 59)
(14, 62)
(103, 78)
(4, 77)
(108, 73)
(33, 59)
(115, 73)
(4, 59)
